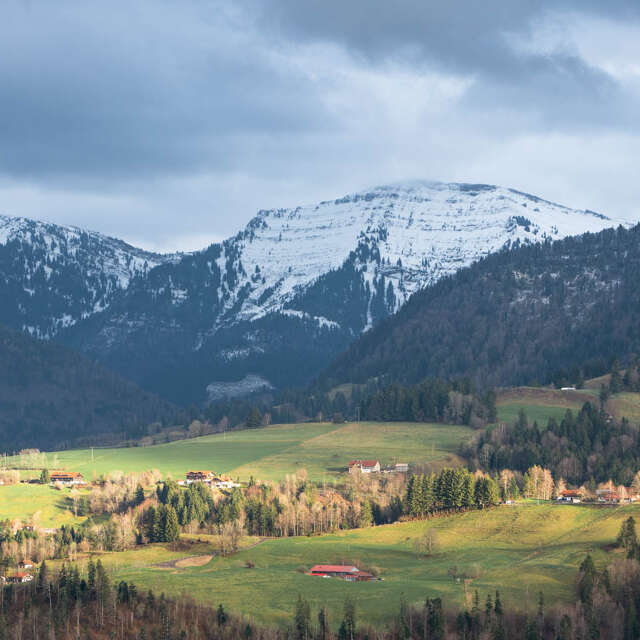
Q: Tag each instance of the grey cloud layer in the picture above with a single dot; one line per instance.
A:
(472, 38)
(191, 114)
(157, 88)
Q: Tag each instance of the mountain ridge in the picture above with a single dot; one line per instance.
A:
(278, 300)
(552, 312)
(52, 276)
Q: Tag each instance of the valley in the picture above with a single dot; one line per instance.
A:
(519, 550)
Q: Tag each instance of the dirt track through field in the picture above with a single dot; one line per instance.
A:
(183, 563)
(200, 560)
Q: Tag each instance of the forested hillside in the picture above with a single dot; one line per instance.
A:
(532, 314)
(51, 397)
(273, 305)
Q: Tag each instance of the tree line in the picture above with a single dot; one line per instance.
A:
(587, 447)
(450, 490)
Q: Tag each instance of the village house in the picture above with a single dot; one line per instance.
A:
(225, 483)
(364, 466)
(20, 577)
(199, 476)
(572, 496)
(27, 564)
(66, 477)
(607, 496)
(209, 478)
(342, 571)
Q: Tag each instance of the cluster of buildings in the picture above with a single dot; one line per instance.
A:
(373, 466)
(21, 576)
(605, 495)
(209, 478)
(342, 571)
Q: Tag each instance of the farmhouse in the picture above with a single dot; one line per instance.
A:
(570, 495)
(364, 466)
(342, 571)
(607, 496)
(224, 483)
(27, 564)
(20, 577)
(209, 478)
(199, 476)
(66, 477)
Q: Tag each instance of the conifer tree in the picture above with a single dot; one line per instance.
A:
(171, 530)
(366, 515)
(302, 618)
(349, 620)
(323, 623)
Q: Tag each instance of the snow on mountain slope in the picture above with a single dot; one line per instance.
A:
(281, 298)
(52, 276)
(422, 231)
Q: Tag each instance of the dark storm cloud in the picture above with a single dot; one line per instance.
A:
(109, 90)
(169, 122)
(464, 35)
(482, 39)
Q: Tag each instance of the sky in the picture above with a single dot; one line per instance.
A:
(170, 123)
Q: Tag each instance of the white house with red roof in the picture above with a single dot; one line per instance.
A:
(364, 466)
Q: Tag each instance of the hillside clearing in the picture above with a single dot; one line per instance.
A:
(323, 449)
(519, 550)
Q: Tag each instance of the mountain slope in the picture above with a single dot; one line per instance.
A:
(51, 397)
(52, 276)
(535, 313)
(275, 303)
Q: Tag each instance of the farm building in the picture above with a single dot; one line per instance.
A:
(66, 477)
(364, 466)
(20, 577)
(570, 495)
(400, 467)
(607, 496)
(342, 571)
(224, 483)
(199, 476)
(210, 478)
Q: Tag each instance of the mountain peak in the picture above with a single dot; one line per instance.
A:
(55, 275)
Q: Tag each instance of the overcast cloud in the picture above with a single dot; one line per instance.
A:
(170, 122)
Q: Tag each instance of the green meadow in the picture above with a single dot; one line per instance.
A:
(540, 403)
(323, 449)
(520, 550)
(50, 507)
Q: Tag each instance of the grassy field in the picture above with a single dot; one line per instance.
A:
(323, 449)
(51, 507)
(540, 403)
(519, 550)
(625, 405)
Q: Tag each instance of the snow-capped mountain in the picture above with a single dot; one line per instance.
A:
(273, 304)
(52, 276)
(412, 234)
